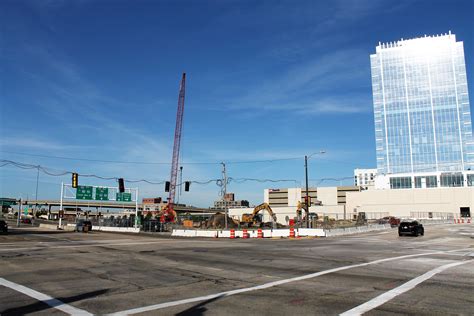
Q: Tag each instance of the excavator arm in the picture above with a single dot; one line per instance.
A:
(264, 206)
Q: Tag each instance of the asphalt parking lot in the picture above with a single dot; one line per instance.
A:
(50, 272)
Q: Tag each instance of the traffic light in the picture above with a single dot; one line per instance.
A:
(186, 185)
(307, 200)
(167, 186)
(121, 185)
(75, 180)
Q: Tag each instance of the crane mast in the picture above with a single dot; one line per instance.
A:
(177, 141)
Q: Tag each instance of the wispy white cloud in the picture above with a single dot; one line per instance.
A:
(316, 86)
(32, 142)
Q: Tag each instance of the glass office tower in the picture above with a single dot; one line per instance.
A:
(422, 114)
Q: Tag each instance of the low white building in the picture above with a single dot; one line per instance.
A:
(325, 201)
(365, 178)
(414, 203)
(348, 202)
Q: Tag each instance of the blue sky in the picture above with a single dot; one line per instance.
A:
(266, 80)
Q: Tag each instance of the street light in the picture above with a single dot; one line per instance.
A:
(307, 203)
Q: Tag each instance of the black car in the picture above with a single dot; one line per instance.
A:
(411, 228)
(83, 226)
(3, 227)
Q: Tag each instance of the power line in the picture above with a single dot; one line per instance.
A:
(241, 180)
(60, 173)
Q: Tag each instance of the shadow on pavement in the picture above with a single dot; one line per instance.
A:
(39, 306)
(198, 309)
(33, 230)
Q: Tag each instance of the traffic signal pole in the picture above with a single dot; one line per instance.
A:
(19, 212)
(61, 203)
(307, 190)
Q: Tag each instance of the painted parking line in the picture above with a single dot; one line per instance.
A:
(51, 301)
(387, 296)
(270, 284)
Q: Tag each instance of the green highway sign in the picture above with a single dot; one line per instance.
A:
(83, 192)
(102, 194)
(124, 197)
(7, 202)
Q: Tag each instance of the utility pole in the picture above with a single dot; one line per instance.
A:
(308, 203)
(19, 213)
(307, 190)
(224, 192)
(36, 194)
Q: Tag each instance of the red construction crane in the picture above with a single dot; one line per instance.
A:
(168, 214)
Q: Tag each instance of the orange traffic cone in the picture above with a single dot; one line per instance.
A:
(232, 234)
(292, 232)
(260, 233)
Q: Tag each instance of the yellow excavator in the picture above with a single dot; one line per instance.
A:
(255, 219)
(300, 219)
(299, 212)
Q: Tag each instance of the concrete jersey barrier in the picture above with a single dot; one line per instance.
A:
(116, 229)
(267, 233)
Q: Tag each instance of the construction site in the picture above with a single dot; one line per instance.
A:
(289, 212)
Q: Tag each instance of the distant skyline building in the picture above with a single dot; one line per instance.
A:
(422, 114)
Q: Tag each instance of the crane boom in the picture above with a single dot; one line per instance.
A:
(177, 141)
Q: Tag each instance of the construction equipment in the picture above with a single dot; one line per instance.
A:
(218, 221)
(299, 213)
(255, 219)
(361, 219)
(169, 214)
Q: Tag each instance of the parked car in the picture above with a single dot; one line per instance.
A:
(3, 227)
(393, 221)
(83, 226)
(411, 228)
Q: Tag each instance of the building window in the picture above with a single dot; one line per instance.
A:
(452, 179)
(400, 183)
(426, 182)
(431, 182)
(470, 180)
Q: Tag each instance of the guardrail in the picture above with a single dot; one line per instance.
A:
(355, 230)
(428, 222)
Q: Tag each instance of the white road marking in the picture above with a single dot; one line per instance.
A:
(387, 296)
(55, 303)
(268, 285)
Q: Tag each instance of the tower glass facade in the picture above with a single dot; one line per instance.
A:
(421, 109)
